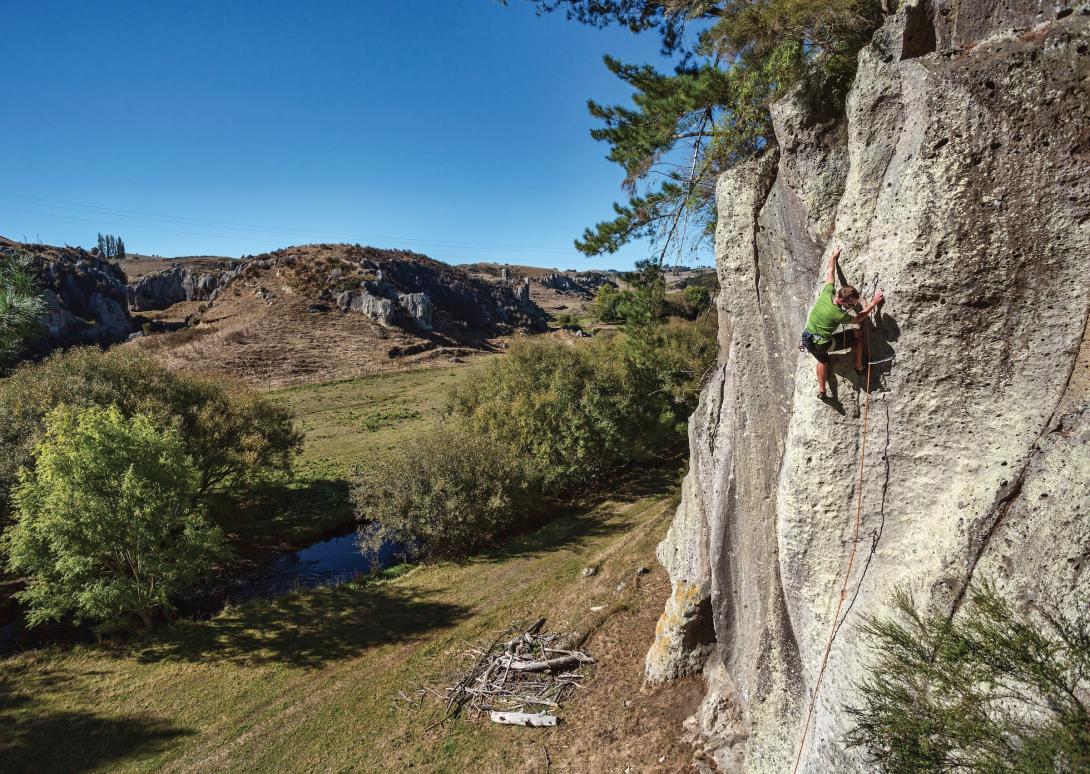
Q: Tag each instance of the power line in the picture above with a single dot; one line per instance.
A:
(249, 227)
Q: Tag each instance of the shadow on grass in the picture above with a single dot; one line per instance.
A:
(582, 519)
(307, 628)
(292, 512)
(38, 739)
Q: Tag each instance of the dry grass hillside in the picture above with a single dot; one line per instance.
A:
(277, 321)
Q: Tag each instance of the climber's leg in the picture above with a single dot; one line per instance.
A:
(857, 348)
(821, 354)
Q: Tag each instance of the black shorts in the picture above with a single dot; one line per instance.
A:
(841, 340)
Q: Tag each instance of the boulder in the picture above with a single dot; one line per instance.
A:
(418, 308)
(381, 310)
(84, 297)
(959, 184)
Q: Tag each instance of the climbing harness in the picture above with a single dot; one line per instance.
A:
(851, 560)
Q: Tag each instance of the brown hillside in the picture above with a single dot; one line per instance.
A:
(277, 321)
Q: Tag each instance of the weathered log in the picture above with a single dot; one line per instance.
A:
(549, 664)
(537, 720)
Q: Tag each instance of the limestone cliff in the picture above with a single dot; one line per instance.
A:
(959, 184)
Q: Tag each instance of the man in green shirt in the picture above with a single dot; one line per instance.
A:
(830, 311)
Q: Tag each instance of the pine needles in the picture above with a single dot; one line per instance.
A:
(992, 690)
(21, 305)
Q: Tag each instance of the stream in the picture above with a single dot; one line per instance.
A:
(328, 562)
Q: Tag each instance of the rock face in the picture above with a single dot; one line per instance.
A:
(960, 186)
(583, 284)
(84, 295)
(167, 287)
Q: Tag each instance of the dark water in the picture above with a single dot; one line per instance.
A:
(325, 563)
(329, 562)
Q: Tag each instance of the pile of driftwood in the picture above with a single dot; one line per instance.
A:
(520, 679)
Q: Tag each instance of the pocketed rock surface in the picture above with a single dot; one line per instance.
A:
(959, 184)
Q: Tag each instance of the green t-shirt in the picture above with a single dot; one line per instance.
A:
(826, 316)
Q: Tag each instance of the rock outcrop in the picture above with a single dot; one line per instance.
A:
(167, 287)
(84, 296)
(584, 283)
(959, 184)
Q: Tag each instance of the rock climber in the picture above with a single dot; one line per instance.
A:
(830, 311)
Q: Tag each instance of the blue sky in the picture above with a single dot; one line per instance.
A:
(457, 128)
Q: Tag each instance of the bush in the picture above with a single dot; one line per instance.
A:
(608, 303)
(234, 437)
(696, 299)
(992, 690)
(446, 495)
(548, 417)
(569, 411)
(107, 525)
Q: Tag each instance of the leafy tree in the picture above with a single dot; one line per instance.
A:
(991, 690)
(107, 523)
(445, 495)
(235, 437)
(686, 127)
(697, 299)
(608, 302)
(21, 305)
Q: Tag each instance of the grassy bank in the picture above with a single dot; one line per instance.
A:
(347, 425)
(311, 681)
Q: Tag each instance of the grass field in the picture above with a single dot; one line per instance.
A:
(347, 425)
(310, 682)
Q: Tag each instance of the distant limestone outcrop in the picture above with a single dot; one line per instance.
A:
(329, 311)
(959, 184)
(166, 287)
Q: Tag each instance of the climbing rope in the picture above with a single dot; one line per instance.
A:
(851, 557)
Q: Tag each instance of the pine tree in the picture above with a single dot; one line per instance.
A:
(21, 305)
(712, 112)
(120, 249)
(992, 690)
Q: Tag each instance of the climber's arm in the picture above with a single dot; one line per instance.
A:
(830, 275)
(868, 308)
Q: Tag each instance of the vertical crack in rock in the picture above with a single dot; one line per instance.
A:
(1013, 491)
(958, 174)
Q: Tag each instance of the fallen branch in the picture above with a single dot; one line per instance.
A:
(524, 719)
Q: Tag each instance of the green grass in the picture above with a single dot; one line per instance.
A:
(347, 425)
(310, 682)
(339, 419)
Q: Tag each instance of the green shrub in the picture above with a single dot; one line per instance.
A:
(608, 302)
(107, 524)
(569, 411)
(993, 690)
(696, 299)
(234, 437)
(546, 418)
(569, 320)
(447, 494)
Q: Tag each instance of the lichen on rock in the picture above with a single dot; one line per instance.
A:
(959, 184)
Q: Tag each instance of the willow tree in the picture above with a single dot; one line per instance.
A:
(733, 59)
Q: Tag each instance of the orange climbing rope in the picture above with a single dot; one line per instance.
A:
(851, 559)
